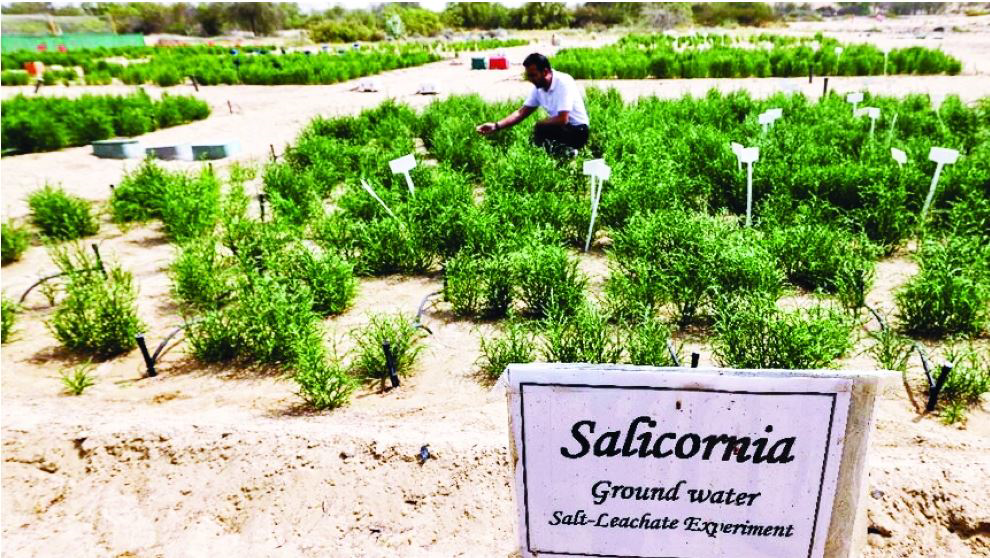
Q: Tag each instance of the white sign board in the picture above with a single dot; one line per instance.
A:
(627, 462)
(943, 155)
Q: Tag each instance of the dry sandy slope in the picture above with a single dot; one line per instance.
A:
(223, 461)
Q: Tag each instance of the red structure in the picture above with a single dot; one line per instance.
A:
(498, 63)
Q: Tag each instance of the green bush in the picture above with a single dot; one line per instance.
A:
(8, 314)
(191, 205)
(329, 278)
(323, 381)
(547, 279)
(646, 342)
(584, 336)
(516, 345)
(201, 277)
(968, 381)
(686, 259)
(98, 315)
(950, 294)
(752, 332)
(61, 216)
(142, 193)
(271, 319)
(478, 286)
(43, 123)
(822, 257)
(15, 241)
(403, 337)
(890, 350)
(214, 337)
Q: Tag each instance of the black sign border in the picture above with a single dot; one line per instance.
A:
(522, 425)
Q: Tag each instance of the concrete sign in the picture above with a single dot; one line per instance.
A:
(645, 462)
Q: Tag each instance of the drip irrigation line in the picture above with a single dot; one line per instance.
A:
(419, 312)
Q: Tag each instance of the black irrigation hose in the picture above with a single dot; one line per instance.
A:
(99, 267)
(879, 318)
(935, 385)
(151, 359)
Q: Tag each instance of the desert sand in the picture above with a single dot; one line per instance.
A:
(224, 461)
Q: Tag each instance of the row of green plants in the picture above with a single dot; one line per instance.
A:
(211, 65)
(501, 221)
(715, 56)
(33, 124)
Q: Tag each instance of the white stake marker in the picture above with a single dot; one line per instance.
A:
(838, 55)
(599, 173)
(736, 149)
(898, 155)
(942, 156)
(403, 165)
(890, 134)
(855, 98)
(749, 155)
(886, 53)
(769, 117)
(367, 188)
(873, 113)
(937, 99)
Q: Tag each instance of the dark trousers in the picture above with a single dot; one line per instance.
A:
(552, 137)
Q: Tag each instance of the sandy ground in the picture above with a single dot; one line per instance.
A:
(223, 461)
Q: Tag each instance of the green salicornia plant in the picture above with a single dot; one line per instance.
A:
(8, 314)
(60, 216)
(15, 240)
(751, 332)
(404, 339)
(515, 345)
(78, 379)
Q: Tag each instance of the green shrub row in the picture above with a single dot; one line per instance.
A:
(32, 124)
(663, 57)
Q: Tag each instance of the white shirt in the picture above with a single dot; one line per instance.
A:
(563, 94)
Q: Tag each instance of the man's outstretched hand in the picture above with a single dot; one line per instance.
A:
(486, 128)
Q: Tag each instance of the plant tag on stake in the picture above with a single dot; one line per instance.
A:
(367, 188)
(599, 173)
(874, 114)
(898, 155)
(855, 98)
(736, 148)
(886, 54)
(403, 165)
(937, 99)
(769, 117)
(838, 55)
(942, 156)
(749, 155)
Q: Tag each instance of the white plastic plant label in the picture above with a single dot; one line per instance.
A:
(749, 154)
(403, 165)
(625, 462)
(599, 172)
(597, 168)
(943, 155)
(855, 98)
(898, 155)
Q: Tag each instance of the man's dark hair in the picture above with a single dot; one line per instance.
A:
(538, 60)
